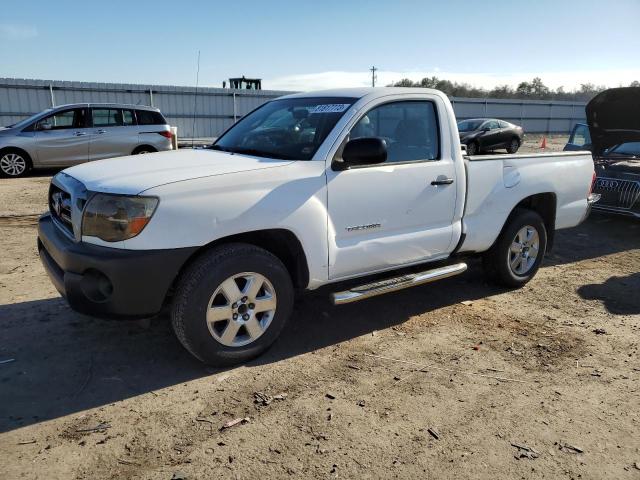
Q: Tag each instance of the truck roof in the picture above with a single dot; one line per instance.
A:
(373, 92)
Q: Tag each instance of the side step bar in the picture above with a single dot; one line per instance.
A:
(398, 283)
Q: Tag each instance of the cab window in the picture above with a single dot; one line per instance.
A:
(410, 129)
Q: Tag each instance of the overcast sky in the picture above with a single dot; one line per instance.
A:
(306, 45)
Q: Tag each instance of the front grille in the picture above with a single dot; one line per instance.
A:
(60, 207)
(617, 192)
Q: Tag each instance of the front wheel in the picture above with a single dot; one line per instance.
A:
(517, 254)
(14, 163)
(231, 304)
(473, 148)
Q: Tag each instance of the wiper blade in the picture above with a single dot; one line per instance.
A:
(260, 153)
(218, 147)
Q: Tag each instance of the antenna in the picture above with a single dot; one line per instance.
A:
(374, 77)
(195, 103)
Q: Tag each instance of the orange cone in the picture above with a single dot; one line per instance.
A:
(543, 143)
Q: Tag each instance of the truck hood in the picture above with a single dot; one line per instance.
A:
(134, 174)
(614, 118)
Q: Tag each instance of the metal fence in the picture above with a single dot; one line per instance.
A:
(206, 112)
(535, 116)
(202, 112)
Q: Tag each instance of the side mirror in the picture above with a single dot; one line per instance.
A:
(485, 130)
(45, 126)
(364, 151)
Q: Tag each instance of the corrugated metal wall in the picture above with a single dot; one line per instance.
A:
(216, 108)
(535, 116)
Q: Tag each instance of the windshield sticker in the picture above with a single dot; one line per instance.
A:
(330, 108)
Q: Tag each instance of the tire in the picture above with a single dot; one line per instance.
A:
(14, 163)
(514, 145)
(473, 148)
(202, 291)
(143, 149)
(501, 263)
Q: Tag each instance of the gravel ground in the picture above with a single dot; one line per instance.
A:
(458, 379)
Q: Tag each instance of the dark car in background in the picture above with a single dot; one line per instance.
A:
(613, 117)
(486, 134)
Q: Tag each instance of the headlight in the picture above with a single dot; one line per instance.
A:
(114, 218)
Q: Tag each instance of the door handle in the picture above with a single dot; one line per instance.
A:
(80, 134)
(442, 181)
(101, 131)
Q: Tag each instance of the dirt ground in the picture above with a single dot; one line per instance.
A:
(458, 379)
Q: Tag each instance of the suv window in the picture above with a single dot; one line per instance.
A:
(128, 117)
(148, 117)
(64, 119)
(106, 117)
(410, 129)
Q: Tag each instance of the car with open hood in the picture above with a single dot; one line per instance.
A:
(613, 117)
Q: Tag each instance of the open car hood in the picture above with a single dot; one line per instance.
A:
(614, 118)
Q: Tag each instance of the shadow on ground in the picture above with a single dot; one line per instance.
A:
(618, 294)
(66, 362)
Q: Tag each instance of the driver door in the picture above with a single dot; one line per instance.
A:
(62, 138)
(387, 215)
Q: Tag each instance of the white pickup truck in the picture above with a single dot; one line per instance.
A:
(307, 190)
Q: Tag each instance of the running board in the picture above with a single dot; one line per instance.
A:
(398, 283)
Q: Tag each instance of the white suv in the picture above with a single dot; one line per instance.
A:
(70, 134)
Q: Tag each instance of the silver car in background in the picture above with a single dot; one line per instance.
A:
(72, 134)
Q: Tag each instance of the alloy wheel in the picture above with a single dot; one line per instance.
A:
(524, 250)
(13, 164)
(241, 309)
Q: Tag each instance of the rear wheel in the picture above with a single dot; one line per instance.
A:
(144, 149)
(231, 304)
(517, 254)
(513, 146)
(14, 163)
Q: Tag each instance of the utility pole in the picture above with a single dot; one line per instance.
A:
(374, 77)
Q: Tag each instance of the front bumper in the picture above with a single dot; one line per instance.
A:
(108, 282)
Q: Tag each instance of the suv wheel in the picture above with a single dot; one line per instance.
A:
(517, 254)
(231, 304)
(14, 163)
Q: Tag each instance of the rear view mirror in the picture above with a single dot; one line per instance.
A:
(364, 151)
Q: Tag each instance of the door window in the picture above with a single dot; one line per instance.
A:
(63, 120)
(580, 136)
(106, 117)
(492, 125)
(410, 129)
(128, 118)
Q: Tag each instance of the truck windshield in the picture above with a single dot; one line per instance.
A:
(288, 129)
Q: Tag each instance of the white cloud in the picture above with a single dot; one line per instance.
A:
(17, 32)
(569, 79)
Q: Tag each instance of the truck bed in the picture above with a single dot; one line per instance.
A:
(497, 183)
